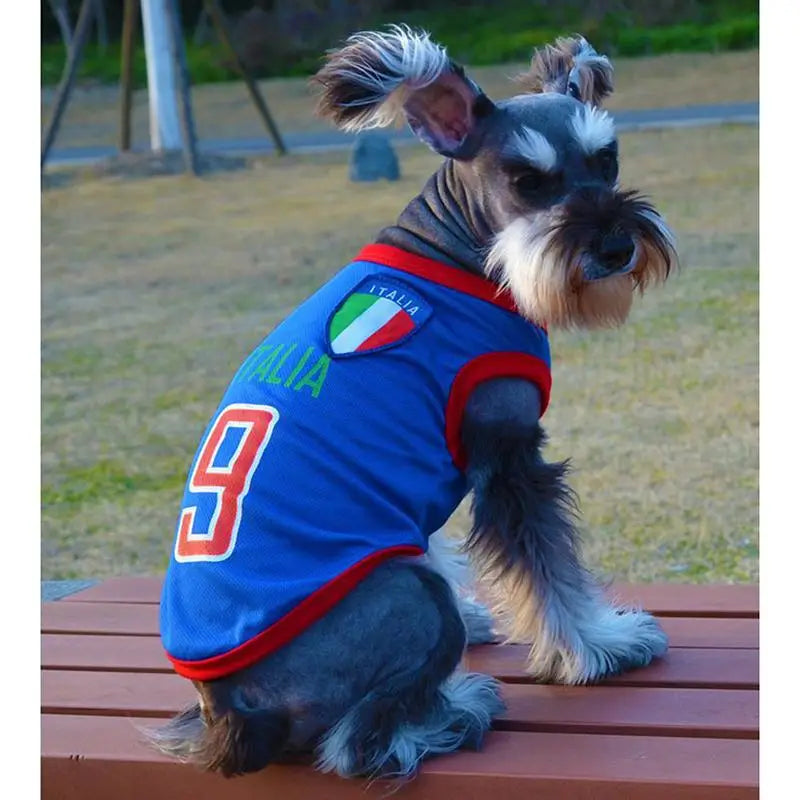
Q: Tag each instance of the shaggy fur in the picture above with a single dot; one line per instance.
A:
(541, 259)
(529, 145)
(593, 128)
(360, 80)
(363, 690)
(526, 544)
(569, 66)
(529, 197)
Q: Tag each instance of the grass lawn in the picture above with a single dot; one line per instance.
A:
(153, 291)
(225, 110)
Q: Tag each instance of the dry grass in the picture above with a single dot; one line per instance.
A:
(225, 110)
(154, 290)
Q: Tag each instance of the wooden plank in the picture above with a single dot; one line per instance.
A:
(129, 589)
(691, 600)
(129, 619)
(598, 709)
(627, 710)
(681, 668)
(105, 653)
(98, 757)
(705, 632)
(666, 600)
(115, 693)
(141, 619)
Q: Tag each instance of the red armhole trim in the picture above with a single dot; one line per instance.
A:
(295, 622)
(483, 368)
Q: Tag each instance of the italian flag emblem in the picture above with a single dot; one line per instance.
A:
(377, 314)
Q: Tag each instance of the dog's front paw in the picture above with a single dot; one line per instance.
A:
(615, 641)
(478, 622)
(618, 641)
(647, 642)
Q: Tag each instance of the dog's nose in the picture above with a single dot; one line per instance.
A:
(616, 250)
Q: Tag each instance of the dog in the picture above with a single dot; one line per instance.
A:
(311, 597)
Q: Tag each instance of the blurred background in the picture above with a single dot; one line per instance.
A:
(156, 284)
(285, 37)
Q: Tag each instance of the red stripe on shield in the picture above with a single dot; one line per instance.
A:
(397, 327)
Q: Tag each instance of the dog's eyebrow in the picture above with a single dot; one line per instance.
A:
(534, 147)
(593, 128)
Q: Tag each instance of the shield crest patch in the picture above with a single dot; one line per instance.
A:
(378, 314)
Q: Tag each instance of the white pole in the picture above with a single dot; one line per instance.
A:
(165, 130)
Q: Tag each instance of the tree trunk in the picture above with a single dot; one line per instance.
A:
(101, 22)
(82, 29)
(61, 13)
(202, 29)
(221, 25)
(129, 20)
(187, 118)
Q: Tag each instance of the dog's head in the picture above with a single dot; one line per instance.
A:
(541, 169)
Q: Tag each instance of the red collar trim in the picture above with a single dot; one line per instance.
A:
(435, 271)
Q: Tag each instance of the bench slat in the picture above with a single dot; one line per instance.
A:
(623, 710)
(691, 600)
(105, 653)
(130, 619)
(98, 757)
(682, 667)
(138, 619)
(642, 711)
(666, 600)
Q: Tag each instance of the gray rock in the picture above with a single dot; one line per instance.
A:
(373, 158)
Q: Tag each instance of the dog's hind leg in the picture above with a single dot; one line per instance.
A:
(525, 538)
(419, 705)
(370, 686)
(232, 730)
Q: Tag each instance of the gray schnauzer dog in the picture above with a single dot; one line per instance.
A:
(527, 201)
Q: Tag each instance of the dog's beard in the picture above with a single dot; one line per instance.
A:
(539, 260)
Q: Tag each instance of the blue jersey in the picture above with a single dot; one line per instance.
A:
(336, 446)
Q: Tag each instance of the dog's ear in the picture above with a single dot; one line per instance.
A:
(376, 77)
(570, 66)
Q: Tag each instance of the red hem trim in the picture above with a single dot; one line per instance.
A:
(389, 256)
(490, 365)
(295, 622)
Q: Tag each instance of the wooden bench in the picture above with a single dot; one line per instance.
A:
(686, 727)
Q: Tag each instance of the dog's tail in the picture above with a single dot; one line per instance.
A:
(228, 740)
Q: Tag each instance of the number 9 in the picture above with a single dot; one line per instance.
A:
(230, 482)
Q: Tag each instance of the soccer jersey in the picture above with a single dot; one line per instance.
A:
(335, 447)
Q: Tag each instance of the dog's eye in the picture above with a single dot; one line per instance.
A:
(531, 182)
(606, 160)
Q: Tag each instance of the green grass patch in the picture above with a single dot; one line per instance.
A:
(105, 480)
(140, 338)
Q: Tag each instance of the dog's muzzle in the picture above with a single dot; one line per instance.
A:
(599, 228)
(612, 255)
